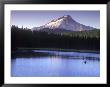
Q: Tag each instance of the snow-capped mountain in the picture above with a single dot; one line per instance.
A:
(66, 23)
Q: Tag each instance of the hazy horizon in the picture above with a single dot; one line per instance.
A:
(35, 18)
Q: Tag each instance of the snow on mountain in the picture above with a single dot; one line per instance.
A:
(65, 22)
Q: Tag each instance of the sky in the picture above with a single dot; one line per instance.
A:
(35, 18)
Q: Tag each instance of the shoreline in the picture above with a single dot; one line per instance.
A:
(60, 49)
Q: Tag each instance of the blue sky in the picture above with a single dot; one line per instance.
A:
(34, 18)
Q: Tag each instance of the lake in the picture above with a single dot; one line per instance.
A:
(45, 63)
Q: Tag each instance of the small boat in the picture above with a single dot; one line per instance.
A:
(85, 62)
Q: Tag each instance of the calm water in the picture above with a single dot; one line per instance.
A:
(56, 64)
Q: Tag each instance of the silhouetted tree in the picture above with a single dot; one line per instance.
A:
(21, 37)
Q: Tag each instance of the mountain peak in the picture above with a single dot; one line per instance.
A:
(67, 16)
(63, 17)
(65, 22)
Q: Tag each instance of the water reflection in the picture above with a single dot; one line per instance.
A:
(41, 63)
(59, 54)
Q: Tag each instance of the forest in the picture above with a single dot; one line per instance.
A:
(80, 40)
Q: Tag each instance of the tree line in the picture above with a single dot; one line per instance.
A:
(26, 38)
